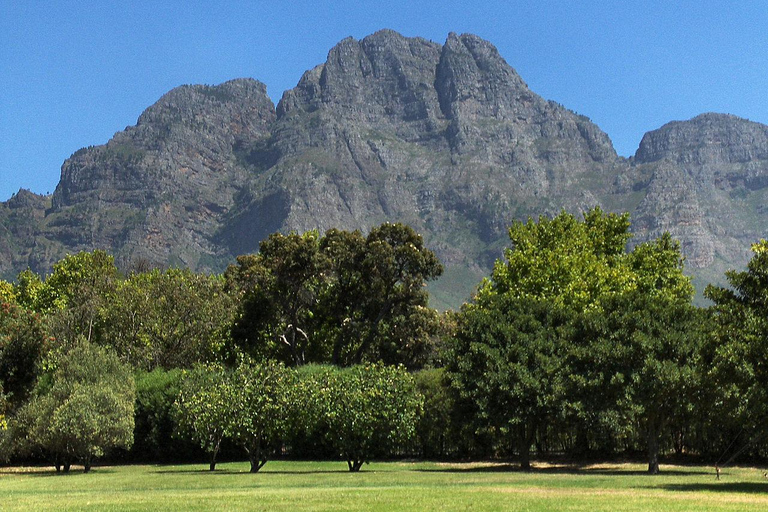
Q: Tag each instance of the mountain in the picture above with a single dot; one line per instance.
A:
(447, 138)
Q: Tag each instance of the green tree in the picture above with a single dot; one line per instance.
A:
(75, 295)
(341, 298)
(376, 308)
(519, 337)
(204, 408)
(279, 289)
(23, 343)
(435, 429)
(170, 319)
(363, 410)
(263, 399)
(154, 434)
(736, 350)
(642, 364)
(510, 367)
(83, 407)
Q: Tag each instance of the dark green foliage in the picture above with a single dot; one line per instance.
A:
(341, 298)
(509, 368)
(155, 438)
(435, 431)
(736, 350)
(23, 343)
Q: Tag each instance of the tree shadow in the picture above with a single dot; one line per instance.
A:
(40, 472)
(742, 487)
(566, 469)
(246, 472)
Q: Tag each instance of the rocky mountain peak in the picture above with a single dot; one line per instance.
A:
(447, 138)
(709, 137)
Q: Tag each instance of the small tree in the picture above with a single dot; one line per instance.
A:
(204, 408)
(82, 408)
(262, 399)
(364, 410)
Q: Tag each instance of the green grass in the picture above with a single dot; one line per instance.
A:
(383, 486)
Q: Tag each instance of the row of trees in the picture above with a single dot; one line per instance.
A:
(574, 344)
(360, 412)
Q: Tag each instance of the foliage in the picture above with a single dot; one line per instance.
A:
(154, 434)
(279, 287)
(520, 358)
(341, 298)
(203, 409)
(376, 309)
(435, 431)
(23, 343)
(737, 347)
(510, 367)
(170, 319)
(364, 410)
(84, 408)
(263, 397)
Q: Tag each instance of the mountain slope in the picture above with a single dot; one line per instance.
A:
(447, 138)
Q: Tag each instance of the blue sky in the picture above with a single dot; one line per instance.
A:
(75, 72)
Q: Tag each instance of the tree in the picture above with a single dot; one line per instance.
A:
(363, 410)
(736, 350)
(435, 429)
(23, 343)
(263, 400)
(170, 319)
(279, 289)
(376, 308)
(82, 408)
(509, 367)
(341, 298)
(204, 408)
(75, 294)
(520, 337)
(643, 366)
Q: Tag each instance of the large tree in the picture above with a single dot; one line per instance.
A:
(279, 289)
(737, 349)
(168, 319)
(376, 308)
(521, 341)
(342, 298)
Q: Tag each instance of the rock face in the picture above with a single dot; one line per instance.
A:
(447, 138)
(708, 186)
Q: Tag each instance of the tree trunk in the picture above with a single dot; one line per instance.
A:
(355, 465)
(66, 467)
(525, 441)
(653, 451)
(87, 465)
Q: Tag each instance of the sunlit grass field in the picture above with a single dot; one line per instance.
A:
(384, 486)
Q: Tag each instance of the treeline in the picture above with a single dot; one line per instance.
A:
(324, 346)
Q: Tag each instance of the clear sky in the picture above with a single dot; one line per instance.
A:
(75, 72)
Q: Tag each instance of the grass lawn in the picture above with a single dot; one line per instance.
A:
(383, 486)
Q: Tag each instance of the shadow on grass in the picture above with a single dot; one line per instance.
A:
(743, 487)
(39, 472)
(564, 469)
(234, 472)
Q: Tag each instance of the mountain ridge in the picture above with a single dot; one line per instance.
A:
(448, 138)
